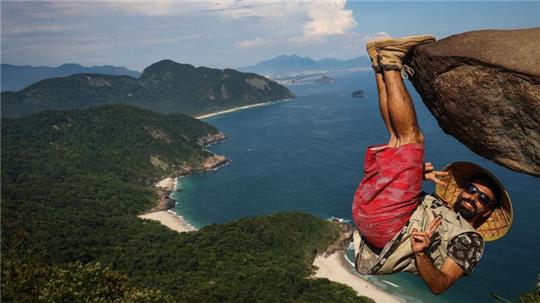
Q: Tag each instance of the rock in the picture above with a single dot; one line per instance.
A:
(165, 201)
(324, 80)
(214, 162)
(483, 87)
(345, 237)
(358, 94)
(211, 139)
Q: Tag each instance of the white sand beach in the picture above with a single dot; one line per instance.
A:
(230, 110)
(238, 108)
(169, 219)
(335, 268)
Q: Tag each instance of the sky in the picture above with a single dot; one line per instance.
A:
(231, 33)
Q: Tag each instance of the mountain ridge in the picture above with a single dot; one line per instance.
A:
(290, 64)
(17, 77)
(165, 86)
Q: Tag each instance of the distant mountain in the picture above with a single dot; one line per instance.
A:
(17, 77)
(164, 87)
(294, 64)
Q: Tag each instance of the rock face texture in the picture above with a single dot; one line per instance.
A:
(483, 87)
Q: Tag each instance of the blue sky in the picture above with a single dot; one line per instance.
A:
(231, 33)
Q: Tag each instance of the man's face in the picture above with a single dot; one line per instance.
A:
(475, 201)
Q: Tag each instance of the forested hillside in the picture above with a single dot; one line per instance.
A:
(165, 87)
(72, 185)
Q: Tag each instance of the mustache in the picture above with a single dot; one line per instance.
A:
(471, 202)
(467, 214)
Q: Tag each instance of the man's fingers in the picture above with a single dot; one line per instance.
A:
(432, 223)
(433, 226)
(440, 182)
(432, 177)
(441, 173)
(436, 174)
(420, 237)
(420, 234)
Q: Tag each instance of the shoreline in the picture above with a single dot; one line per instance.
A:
(162, 213)
(239, 108)
(335, 268)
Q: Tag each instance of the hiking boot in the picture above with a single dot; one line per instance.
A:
(391, 52)
(371, 48)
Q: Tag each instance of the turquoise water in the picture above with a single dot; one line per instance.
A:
(307, 154)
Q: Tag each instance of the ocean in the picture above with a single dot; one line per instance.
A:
(306, 155)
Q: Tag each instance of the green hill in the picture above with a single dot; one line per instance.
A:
(72, 185)
(17, 77)
(165, 87)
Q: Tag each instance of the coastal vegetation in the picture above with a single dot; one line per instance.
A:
(73, 183)
(165, 87)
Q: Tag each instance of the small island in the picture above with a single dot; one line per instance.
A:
(324, 80)
(358, 94)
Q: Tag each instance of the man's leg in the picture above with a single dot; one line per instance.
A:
(383, 107)
(371, 48)
(390, 54)
(401, 109)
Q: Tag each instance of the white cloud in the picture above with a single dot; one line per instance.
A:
(315, 19)
(368, 37)
(280, 22)
(154, 8)
(273, 20)
(33, 28)
(209, 32)
(329, 18)
(251, 43)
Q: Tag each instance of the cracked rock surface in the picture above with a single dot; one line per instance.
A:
(483, 87)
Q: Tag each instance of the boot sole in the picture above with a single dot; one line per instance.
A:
(419, 39)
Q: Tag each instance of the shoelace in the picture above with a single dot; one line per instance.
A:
(406, 72)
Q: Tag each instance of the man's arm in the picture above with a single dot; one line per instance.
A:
(438, 280)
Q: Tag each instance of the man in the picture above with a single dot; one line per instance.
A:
(401, 229)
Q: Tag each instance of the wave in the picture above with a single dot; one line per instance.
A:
(340, 220)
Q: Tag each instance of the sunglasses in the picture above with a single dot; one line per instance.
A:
(471, 189)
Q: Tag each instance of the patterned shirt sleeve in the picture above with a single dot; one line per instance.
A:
(466, 250)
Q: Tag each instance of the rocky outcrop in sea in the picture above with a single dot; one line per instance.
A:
(211, 139)
(483, 87)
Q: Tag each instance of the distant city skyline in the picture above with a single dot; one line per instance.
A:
(231, 33)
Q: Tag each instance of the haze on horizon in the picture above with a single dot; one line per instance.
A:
(231, 33)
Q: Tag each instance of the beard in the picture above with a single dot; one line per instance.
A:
(466, 213)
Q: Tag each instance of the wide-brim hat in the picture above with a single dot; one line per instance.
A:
(460, 173)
